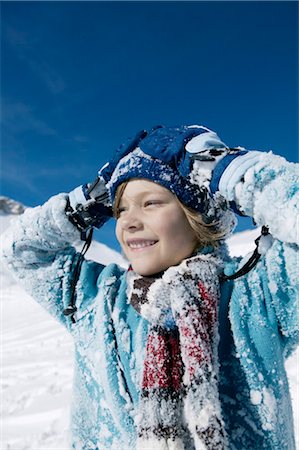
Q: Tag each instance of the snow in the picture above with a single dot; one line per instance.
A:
(37, 367)
(271, 180)
(36, 375)
(265, 243)
(255, 397)
(241, 243)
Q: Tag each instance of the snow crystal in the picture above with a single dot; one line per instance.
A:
(115, 314)
(166, 177)
(255, 397)
(269, 409)
(104, 432)
(205, 414)
(246, 353)
(103, 403)
(126, 338)
(110, 281)
(265, 243)
(273, 287)
(137, 291)
(137, 419)
(126, 164)
(122, 329)
(122, 391)
(153, 443)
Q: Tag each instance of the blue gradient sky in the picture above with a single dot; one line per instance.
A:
(80, 77)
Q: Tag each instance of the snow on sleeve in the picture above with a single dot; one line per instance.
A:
(266, 399)
(39, 233)
(37, 249)
(282, 272)
(268, 192)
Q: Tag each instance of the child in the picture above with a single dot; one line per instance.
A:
(184, 350)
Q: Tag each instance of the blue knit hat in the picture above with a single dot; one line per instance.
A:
(140, 165)
(166, 155)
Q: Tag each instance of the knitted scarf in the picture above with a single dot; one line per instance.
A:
(179, 405)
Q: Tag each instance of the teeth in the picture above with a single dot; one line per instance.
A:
(143, 244)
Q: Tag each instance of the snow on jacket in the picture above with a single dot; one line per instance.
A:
(258, 318)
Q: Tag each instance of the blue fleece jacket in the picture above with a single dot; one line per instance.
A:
(258, 317)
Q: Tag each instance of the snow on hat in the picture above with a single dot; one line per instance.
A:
(165, 155)
(138, 164)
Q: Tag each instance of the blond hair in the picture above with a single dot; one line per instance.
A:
(206, 234)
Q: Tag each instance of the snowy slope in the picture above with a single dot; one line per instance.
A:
(37, 361)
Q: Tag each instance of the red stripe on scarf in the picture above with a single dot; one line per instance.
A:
(163, 364)
(209, 305)
(196, 330)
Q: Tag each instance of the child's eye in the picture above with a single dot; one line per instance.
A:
(152, 203)
(120, 210)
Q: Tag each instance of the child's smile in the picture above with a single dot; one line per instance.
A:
(152, 228)
(140, 244)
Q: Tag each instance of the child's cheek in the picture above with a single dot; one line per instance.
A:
(164, 229)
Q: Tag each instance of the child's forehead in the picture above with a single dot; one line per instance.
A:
(141, 187)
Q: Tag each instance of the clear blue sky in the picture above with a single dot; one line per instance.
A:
(79, 77)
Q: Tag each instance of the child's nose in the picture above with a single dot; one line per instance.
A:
(131, 221)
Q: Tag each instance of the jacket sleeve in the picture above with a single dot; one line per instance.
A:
(38, 249)
(265, 187)
(281, 267)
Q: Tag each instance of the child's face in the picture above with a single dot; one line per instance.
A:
(152, 228)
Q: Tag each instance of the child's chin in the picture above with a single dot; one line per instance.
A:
(146, 271)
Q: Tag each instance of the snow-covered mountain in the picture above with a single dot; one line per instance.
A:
(9, 206)
(37, 356)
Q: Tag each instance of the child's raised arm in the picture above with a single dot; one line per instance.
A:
(265, 187)
(39, 249)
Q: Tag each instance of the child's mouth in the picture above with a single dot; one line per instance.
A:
(138, 244)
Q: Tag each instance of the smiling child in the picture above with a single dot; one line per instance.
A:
(185, 349)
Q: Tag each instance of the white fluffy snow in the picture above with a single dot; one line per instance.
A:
(36, 374)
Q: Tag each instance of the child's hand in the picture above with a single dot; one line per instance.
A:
(194, 151)
(88, 205)
(206, 166)
(183, 148)
(172, 145)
